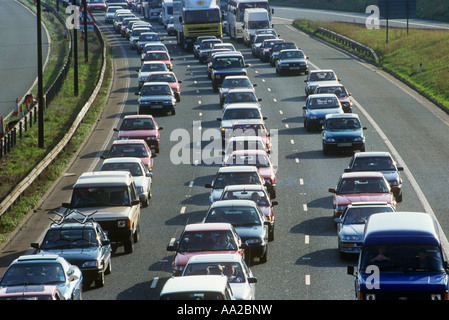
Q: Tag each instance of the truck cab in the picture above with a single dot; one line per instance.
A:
(401, 259)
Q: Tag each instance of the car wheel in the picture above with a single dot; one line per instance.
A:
(129, 245)
(263, 258)
(145, 202)
(99, 283)
(109, 268)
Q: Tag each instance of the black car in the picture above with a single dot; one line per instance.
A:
(81, 243)
(249, 222)
(292, 60)
(277, 47)
(227, 64)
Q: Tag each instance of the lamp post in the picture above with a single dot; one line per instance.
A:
(40, 92)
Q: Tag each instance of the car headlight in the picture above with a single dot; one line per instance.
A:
(312, 117)
(123, 223)
(139, 189)
(351, 237)
(329, 140)
(151, 138)
(358, 139)
(90, 264)
(435, 296)
(217, 76)
(255, 241)
(341, 208)
(370, 296)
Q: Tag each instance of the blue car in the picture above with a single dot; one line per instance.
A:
(42, 270)
(342, 132)
(317, 107)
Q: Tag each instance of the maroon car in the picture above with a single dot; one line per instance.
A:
(141, 127)
(170, 77)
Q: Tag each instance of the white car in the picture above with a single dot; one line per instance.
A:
(320, 77)
(142, 176)
(233, 266)
(147, 68)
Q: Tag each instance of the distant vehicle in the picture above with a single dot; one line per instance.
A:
(170, 77)
(342, 132)
(293, 61)
(340, 91)
(277, 47)
(266, 47)
(257, 42)
(320, 77)
(254, 19)
(205, 47)
(39, 269)
(232, 266)
(155, 97)
(225, 64)
(317, 107)
(233, 82)
(96, 5)
(131, 148)
(240, 95)
(147, 68)
(163, 56)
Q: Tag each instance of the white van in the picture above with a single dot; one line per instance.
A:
(254, 19)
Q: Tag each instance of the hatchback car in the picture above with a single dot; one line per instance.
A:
(83, 244)
(170, 77)
(141, 127)
(249, 222)
(45, 269)
(366, 186)
(293, 61)
(342, 132)
(351, 225)
(203, 238)
(319, 77)
(233, 175)
(340, 91)
(233, 266)
(156, 96)
(258, 194)
(259, 159)
(137, 148)
(317, 107)
(141, 175)
(379, 161)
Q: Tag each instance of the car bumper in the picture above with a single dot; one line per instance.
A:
(256, 249)
(91, 274)
(144, 109)
(344, 146)
(350, 247)
(293, 68)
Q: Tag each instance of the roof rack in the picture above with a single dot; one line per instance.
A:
(68, 216)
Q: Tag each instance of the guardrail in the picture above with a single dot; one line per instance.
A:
(19, 190)
(348, 43)
(29, 117)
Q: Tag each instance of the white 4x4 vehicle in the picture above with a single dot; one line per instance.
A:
(112, 195)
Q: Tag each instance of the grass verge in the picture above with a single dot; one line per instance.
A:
(58, 117)
(419, 58)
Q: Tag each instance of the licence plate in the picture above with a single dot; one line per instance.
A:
(346, 144)
(294, 68)
(156, 106)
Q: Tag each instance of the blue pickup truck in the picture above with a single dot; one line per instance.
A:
(401, 259)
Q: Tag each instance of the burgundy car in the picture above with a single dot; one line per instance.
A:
(141, 127)
(136, 148)
(169, 77)
(362, 186)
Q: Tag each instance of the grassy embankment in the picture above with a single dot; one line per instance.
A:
(403, 54)
(58, 117)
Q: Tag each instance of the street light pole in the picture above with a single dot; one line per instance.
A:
(40, 93)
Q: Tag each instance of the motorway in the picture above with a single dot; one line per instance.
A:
(18, 53)
(303, 261)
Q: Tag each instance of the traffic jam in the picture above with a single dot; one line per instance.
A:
(212, 260)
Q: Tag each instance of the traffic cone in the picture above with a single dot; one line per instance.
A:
(15, 113)
(2, 133)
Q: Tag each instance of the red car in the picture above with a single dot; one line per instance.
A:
(203, 238)
(96, 5)
(169, 77)
(141, 127)
(362, 186)
(136, 148)
(31, 292)
(159, 56)
(261, 160)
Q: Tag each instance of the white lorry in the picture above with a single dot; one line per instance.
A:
(253, 19)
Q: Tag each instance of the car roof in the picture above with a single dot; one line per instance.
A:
(153, 61)
(209, 226)
(139, 116)
(129, 141)
(322, 95)
(342, 115)
(215, 257)
(245, 138)
(38, 257)
(243, 187)
(233, 203)
(205, 283)
(103, 178)
(123, 160)
(159, 83)
(237, 77)
(238, 169)
(372, 154)
(322, 70)
(229, 53)
(362, 174)
(241, 105)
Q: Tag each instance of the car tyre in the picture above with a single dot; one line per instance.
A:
(99, 283)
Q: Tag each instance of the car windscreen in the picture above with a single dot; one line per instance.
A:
(192, 241)
(228, 62)
(232, 270)
(100, 197)
(362, 185)
(67, 238)
(156, 90)
(134, 168)
(33, 273)
(360, 215)
(232, 178)
(373, 164)
(238, 216)
(152, 67)
(260, 161)
(241, 113)
(323, 103)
